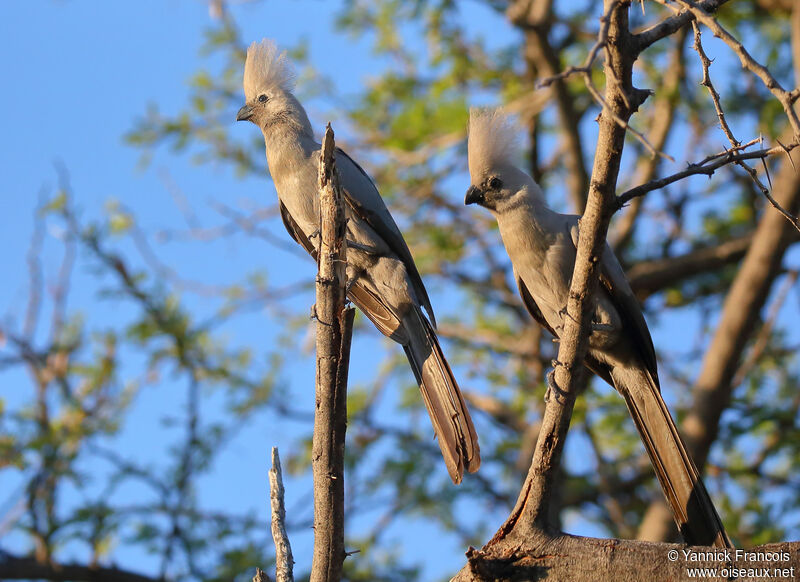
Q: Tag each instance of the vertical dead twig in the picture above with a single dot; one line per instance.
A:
(283, 550)
(334, 331)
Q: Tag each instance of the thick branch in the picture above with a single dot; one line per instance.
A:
(334, 330)
(569, 558)
(15, 568)
(671, 25)
(648, 277)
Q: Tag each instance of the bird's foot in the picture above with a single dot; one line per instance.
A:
(351, 244)
(602, 327)
(313, 311)
(552, 387)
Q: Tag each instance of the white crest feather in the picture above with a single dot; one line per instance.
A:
(266, 68)
(492, 139)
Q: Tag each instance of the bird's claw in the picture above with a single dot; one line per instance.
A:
(313, 311)
(604, 327)
(553, 389)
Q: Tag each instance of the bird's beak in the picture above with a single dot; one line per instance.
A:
(245, 113)
(474, 195)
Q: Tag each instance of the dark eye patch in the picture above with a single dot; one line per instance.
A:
(495, 183)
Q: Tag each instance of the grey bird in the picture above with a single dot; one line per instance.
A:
(383, 281)
(542, 246)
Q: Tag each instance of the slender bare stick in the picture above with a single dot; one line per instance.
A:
(334, 331)
(786, 98)
(283, 550)
(707, 166)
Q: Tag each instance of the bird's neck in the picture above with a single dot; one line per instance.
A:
(525, 224)
(288, 145)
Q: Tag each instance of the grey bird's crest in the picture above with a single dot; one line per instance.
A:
(492, 140)
(266, 68)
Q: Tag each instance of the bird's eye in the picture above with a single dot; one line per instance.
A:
(262, 98)
(495, 183)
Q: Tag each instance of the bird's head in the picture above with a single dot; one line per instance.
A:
(495, 181)
(268, 84)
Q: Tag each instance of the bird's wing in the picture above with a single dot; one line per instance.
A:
(593, 364)
(366, 202)
(371, 305)
(296, 232)
(615, 284)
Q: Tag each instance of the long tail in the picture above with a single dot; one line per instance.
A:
(692, 508)
(446, 407)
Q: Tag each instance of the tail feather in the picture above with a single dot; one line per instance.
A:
(446, 407)
(692, 508)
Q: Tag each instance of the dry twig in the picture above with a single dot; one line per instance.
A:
(334, 331)
(283, 550)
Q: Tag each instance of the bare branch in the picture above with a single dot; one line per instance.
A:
(706, 82)
(586, 69)
(671, 25)
(566, 558)
(334, 331)
(16, 568)
(786, 98)
(707, 166)
(283, 550)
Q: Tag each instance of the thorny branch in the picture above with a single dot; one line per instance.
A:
(706, 166)
(786, 98)
(723, 123)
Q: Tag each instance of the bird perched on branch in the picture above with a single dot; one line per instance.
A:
(383, 281)
(542, 245)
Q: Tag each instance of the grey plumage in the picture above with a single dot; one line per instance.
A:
(383, 280)
(542, 246)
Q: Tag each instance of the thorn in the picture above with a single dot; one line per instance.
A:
(766, 171)
(789, 155)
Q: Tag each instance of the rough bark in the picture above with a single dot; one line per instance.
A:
(283, 550)
(570, 558)
(334, 330)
